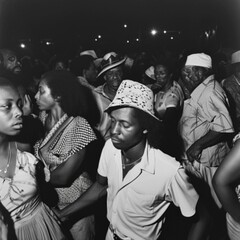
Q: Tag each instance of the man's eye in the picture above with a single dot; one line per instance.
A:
(125, 125)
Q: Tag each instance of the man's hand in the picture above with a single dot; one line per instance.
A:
(194, 152)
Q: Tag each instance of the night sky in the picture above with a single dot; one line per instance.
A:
(86, 19)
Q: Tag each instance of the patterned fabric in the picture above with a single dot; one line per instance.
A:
(32, 219)
(207, 109)
(232, 87)
(75, 136)
(103, 102)
(134, 94)
(160, 99)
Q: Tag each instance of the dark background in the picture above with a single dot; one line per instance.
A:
(72, 24)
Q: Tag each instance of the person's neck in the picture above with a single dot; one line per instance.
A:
(167, 86)
(56, 114)
(134, 152)
(4, 145)
(109, 91)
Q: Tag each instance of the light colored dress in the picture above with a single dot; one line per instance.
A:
(33, 220)
(68, 136)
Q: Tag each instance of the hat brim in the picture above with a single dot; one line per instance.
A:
(111, 66)
(129, 105)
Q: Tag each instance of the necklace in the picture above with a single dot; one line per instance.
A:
(8, 161)
(124, 165)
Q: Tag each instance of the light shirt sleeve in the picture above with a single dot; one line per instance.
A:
(182, 193)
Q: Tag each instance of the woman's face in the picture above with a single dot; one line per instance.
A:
(44, 98)
(10, 111)
(162, 75)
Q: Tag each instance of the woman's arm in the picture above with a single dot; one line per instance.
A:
(88, 198)
(225, 180)
(66, 172)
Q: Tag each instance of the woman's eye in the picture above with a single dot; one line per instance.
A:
(6, 106)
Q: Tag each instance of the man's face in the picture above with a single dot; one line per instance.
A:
(11, 62)
(125, 128)
(190, 78)
(113, 77)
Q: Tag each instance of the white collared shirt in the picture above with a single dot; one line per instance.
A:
(137, 203)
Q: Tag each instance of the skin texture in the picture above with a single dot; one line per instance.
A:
(113, 78)
(226, 180)
(163, 77)
(10, 111)
(11, 62)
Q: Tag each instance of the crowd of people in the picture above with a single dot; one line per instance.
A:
(120, 146)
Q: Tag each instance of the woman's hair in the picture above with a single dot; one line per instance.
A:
(75, 99)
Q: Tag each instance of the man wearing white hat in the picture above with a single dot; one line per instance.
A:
(205, 125)
(232, 87)
(141, 181)
(112, 73)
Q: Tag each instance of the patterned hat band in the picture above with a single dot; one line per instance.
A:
(109, 61)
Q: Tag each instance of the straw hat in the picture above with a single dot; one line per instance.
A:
(134, 94)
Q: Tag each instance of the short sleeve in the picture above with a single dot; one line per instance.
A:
(103, 162)
(182, 193)
(77, 135)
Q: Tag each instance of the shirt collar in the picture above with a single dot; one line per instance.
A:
(197, 92)
(148, 160)
(100, 89)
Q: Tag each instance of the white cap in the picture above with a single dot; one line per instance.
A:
(235, 57)
(200, 60)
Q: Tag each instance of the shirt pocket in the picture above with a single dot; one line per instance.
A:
(140, 203)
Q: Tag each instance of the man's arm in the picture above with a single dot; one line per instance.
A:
(91, 196)
(208, 140)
